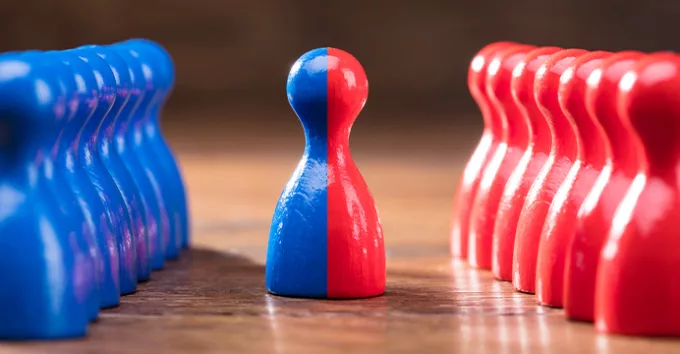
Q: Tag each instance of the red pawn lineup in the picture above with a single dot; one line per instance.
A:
(572, 193)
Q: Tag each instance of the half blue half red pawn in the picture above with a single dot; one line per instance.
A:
(326, 240)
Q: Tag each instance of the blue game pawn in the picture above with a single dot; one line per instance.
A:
(80, 155)
(104, 91)
(160, 80)
(138, 144)
(325, 239)
(113, 160)
(42, 294)
(101, 128)
(88, 270)
(55, 181)
(76, 181)
(129, 141)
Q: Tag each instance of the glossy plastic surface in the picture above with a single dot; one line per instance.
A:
(148, 141)
(128, 144)
(80, 139)
(501, 164)
(164, 79)
(55, 181)
(146, 222)
(326, 240)
(95, 213)
(492, 134)
(120, 189)
(166, 74)
(44, 282)
(591, 145)
(528, 167)
(74, 221)
(563, 152)
(595, 216)
(638, 280)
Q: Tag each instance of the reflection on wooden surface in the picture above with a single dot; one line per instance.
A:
(213, 299)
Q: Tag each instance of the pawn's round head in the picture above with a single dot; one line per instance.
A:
(107, 82)
(524, 74)
(30, 94)
(138, 82)
(160, 57)
(327, 88)
(118, 67)
(649, 101)
(143, 65)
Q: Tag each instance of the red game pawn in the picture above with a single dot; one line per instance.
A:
(638, 279)
(503, 161)
(595, 217)
(563, 152)
(492, 134)
(591, 146)
(535, 156)
(326, 239)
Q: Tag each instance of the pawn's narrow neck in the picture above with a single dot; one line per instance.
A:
(6, 147)
(316, 145)
(623, 143)
(662, 163)
(129, 110)
(522, 90)
(652, 112)
(141, 113)
(660, 150)
(541, 136)
(493, 122)
(338, 141)
(493, 126)
(561, 130)
(22, 151)
(158, 107)
(590, 139)
(516, 128)
(154, 107)
(73, 130)
(327, 141)
(90, 132)
(151, 112)
(108, 126)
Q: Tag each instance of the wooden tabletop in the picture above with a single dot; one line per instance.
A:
(213, 299)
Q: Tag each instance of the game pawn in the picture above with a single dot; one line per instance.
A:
(94, 134)
(504, 160)
(140, 207)
(528, 167)
(326, 240)
(87, 197)
(491, 136)
(562, 154)
(90, 178)
(595, 216)
(57, 183)
(638, 279)
(152, 128)
(44, 287)
(147, 140)
(591, 152)
(129, 145)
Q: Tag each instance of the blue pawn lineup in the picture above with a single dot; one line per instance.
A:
(91, 197)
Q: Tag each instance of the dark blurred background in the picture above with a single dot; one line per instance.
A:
(233, 57)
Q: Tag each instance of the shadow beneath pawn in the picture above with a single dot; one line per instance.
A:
(200, 282)
(205, 282)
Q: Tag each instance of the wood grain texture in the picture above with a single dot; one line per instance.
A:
(213, 299)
